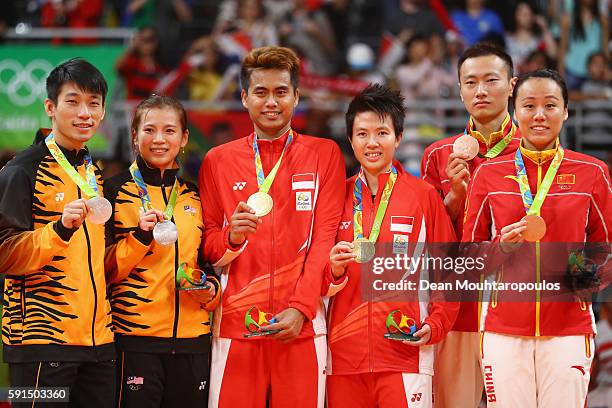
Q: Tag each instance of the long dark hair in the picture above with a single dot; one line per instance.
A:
(577, 28)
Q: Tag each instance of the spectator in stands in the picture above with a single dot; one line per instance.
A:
(311, 33)
(584, 30)
(207, 72)
(140, 65)
(135, 13)
(419, 77)
(476, 22)
(414, 16)
(536, 60)
(338, 15)
(530, 33)
(72, 14)
(252, 27)
(444, 53)
(600, 76)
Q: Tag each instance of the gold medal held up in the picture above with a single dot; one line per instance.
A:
(260, 202)
(364, 250)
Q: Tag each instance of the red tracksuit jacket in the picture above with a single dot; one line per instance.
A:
(357, 316)
(433, 170)
(282, 264)
(578, 208)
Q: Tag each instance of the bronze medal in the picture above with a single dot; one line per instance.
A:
(467, 145)
(536, 228)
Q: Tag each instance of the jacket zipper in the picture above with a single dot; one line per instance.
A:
(176, 293)
(537, 248)
(272, 257)
(91, 274)
(370, 338)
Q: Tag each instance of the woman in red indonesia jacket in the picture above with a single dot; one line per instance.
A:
(386, 206)
(162, 334)
(538, 352)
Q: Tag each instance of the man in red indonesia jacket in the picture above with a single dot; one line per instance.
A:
(272, 203)
(387, 206)
(538, 353)
(485, 81)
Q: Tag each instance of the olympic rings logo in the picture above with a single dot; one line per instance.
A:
(24, 85)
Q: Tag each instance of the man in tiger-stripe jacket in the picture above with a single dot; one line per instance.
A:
(56, 325)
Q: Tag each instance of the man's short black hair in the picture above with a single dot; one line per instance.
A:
(79, 72)
(546, 74)
(380, 99)
(483, 50)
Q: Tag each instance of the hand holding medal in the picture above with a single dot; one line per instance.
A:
(467, 146)
(99, 209)
(340, 256)
(244, 222)
(165, 231)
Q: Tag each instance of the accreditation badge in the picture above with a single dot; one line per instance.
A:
(400, 244)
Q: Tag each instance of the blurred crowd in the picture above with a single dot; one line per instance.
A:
(412, 44)
(192, 48)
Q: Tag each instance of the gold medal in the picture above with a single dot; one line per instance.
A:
(261, 202)
(364, 249)
(467, 145)
(536, 228)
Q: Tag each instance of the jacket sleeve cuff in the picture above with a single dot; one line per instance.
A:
(231, 251)
(335, 284)
(436, 334)
(212, 304)
(144, 237)
(302, 309)
(228, 244)
(64, 233)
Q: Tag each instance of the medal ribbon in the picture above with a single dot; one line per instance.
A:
(89, 186)
(264, 182)
(533, 205)
(380, 212)
(509, 129)
(144, 194)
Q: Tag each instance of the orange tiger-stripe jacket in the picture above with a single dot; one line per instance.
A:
(55, 306)
(148, 313)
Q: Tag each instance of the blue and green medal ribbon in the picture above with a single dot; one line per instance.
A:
(534, 204)
(264, 183)
(144, 194)
(89, 186)
(380, 212)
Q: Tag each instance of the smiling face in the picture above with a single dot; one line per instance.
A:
(160, 137)
(540, 112)
(75, 117)
(374, 141)
(270, 100)
(485, 87)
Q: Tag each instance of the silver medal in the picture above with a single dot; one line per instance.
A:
(165, 233)
(100, 210)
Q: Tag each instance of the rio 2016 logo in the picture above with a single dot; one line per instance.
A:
(24, 85)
